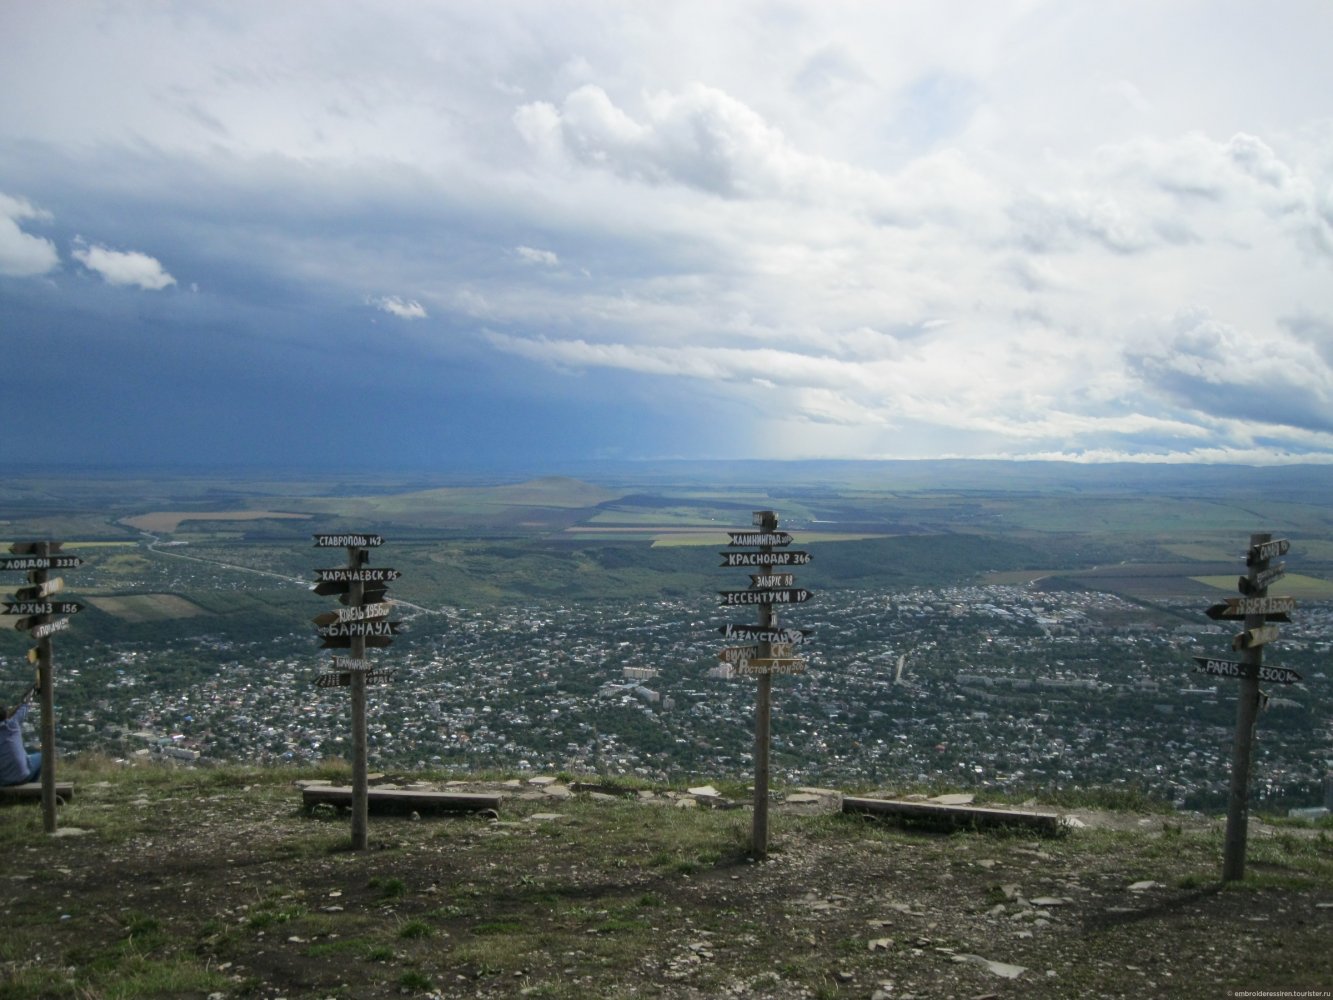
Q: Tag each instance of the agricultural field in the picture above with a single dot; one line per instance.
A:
(634, 531)
(168, 521)
(147, 607)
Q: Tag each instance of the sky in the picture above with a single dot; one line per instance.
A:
(442, 234)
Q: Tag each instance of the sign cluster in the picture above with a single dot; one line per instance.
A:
(364, 620)
(39, 615)
(768, 647)
(1260, 614)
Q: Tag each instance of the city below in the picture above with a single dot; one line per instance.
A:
(989, 687)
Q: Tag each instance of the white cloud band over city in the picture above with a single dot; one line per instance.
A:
(1057, 230)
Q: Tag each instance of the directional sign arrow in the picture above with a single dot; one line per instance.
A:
(772, 579)
(759, 538)
(45, 589)
(1255, 637)
(769, 665)
(1267, 550)
(363, 574)
(1240, 606)
(42, 631)
(43, 608)
(1221, 668)
(348, 663)
(344, 678)
(355, 613)
(1219, 612)
(371, 593)
(788, 558)
(1278, 675)
(738, 597)
(760, 633)
(735, 654)
(40, 562)
(362, 628)
(348, 541)
(1251, 588)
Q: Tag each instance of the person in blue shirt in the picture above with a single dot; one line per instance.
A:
(17, 765)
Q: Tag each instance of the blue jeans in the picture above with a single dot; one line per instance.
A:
(35, 766)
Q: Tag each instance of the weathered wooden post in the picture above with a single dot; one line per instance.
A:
(360, 767)
(38, 617)
(769, 648)
(763, 711)
(1259, 611)
(354, 627)
(1253, 585)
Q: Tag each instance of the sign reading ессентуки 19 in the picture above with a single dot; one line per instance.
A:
(739, 597)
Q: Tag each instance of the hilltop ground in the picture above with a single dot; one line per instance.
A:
(214, 883)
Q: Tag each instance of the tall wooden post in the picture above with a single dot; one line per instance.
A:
(763, 714)
(352, 628)
(1247, 712)
(46, 681)
(360, 779)
(768, 588)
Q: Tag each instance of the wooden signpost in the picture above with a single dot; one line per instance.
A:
(38, 617)
(1258, 611)
(768, 649)
(360, 624)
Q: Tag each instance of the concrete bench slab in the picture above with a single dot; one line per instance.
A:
(400, 800)
(32, 791)
(954, 815)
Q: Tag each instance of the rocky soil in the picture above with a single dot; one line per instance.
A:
(220, 885)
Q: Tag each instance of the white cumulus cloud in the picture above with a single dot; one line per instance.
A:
(23, 255)
(122, 267)
(534, 256)
(402, 308)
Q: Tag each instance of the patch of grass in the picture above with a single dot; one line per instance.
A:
(496, 953)
(451, 911)
(146, 978)
(415, 929)
(390, 887)
(497, 927)
(340, 946)
(143, 931)
(414, 981)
